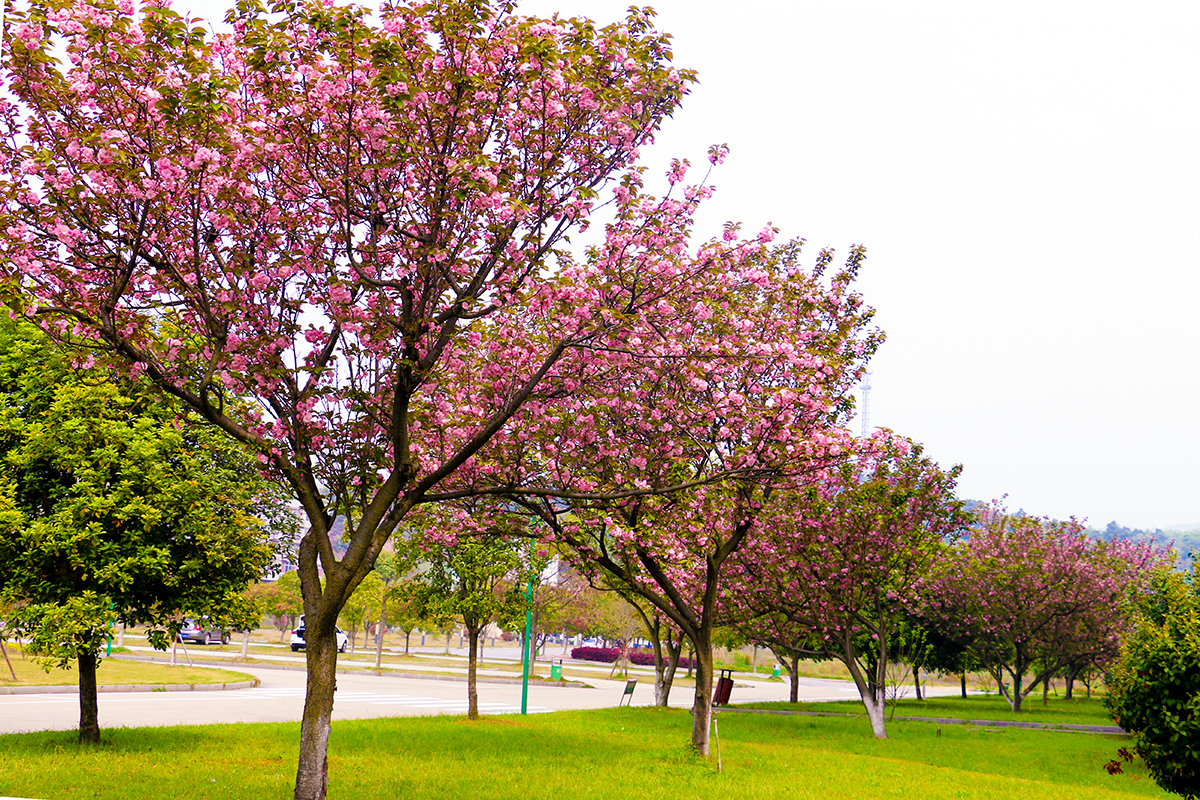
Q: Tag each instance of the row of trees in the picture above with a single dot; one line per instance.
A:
(868, 562)
(841, 568)
(1031, 596)
(873, 559)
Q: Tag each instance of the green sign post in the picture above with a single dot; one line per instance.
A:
(525, 641)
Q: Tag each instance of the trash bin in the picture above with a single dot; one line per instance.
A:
(724, 688)
(775, 672)
(556, 669)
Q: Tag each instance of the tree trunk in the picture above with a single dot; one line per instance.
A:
(89, 715)
(662, 694)
(702, 706)
(472, 661)
(660, 661)
(1015, 697)
(917, 681)
(666, 655)
(1069, 683)
(379, 630)
(876, 709)
(962, 680)
(121, 636)
(791, 663)
(872, 688)
(534, 621)
(4, 649)
(618, 663)
(315, 727)
(245, 643)
(664, 680)
(406, 635)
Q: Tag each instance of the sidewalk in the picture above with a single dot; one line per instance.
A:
(488, 667)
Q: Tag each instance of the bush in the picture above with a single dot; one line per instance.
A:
(1154, 692)
(608, 655)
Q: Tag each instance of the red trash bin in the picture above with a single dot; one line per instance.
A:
(724, 688)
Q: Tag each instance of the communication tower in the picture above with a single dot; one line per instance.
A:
(865, 386)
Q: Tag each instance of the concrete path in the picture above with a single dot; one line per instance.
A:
(280, 698)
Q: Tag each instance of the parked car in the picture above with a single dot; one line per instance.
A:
(193, 632)
(298, 638)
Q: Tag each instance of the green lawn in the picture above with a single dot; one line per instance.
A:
(619, 752)
(112, 672)
(1078, 711)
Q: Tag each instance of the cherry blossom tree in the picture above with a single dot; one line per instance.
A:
(844, 556)
(1029, 593)
(762, 402)
(336, 222)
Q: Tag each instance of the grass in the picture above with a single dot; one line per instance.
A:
(579, 754)
(1077, 711)
(113, 672)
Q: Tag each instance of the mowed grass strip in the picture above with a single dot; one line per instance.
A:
(114, 672)
(1076, 711)
(639, 752)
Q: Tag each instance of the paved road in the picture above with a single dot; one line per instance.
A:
(280, 698)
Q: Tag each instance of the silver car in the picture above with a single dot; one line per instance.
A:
(193, 632)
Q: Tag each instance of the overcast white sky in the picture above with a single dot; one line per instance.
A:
(1024, 176)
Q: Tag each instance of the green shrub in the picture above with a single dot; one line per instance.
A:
(1154, 692)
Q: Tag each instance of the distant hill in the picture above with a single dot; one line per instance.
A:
(1183, 539)
(1184, 542)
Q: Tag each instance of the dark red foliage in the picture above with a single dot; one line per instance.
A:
(608, 655)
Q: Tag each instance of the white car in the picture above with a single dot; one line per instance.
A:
(298, 638)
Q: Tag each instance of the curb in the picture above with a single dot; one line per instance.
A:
(134, 687)
(383, 673)
(994, 723)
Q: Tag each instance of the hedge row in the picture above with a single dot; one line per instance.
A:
(608, 655)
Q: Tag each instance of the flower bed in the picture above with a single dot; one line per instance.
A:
(608, 655)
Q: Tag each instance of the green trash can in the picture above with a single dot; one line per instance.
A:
(775, 672)
(556, 669)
